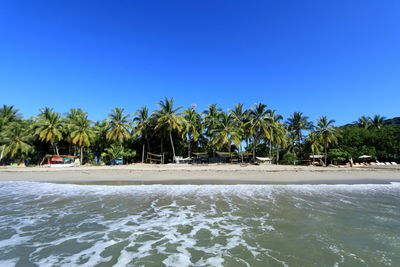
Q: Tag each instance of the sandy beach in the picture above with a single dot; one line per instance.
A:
(203, 174)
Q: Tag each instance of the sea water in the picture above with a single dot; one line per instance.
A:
(43, 224)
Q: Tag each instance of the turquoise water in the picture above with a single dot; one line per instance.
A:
(45, 224)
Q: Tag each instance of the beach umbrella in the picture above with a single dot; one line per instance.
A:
(364, 157)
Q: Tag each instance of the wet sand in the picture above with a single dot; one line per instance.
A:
(203, 174)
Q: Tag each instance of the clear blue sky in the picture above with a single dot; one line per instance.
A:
(339, 58)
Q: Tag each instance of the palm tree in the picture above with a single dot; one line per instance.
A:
(7, 115)
(168, 118)
(17, 138)
(142, 126)
(315, 143)
(297, 123)
(192, 127)
(364, 122)
(258, 125)
(377, 121)
(119, 126)
(226, 133)
(279, 137)
(241, 118)
(49, 127)
(100, 141)
(82, 133)
(327, 133)
(275, 129)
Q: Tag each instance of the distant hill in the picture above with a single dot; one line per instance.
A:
(392, 121)
(395, 120)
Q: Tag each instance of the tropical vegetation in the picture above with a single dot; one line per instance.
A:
(172, 131)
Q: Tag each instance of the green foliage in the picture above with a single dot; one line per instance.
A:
(257, 129)
(337, 155)
(290, 158)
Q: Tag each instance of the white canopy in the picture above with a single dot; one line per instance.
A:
(364, 157)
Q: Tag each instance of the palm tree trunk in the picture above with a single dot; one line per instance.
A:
(172, 144)
(277, 155)
(326, 155)
(254, 149)
(189, 149)
(143, 154)
(81, 155)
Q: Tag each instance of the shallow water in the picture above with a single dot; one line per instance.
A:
(199, 225)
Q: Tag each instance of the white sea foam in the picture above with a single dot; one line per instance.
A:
(176, 221)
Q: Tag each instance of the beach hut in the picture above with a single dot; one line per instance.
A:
(317, 159)
(60, 161)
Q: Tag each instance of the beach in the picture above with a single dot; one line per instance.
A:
(203, 174)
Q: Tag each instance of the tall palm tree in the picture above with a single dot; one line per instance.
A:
(275, 129)
(327, 133)
(364, 122)
(226, 133)
(8, 114)
(241, 116)
(17, 138)
(49, 127)
(258, 125)
(100, 141)
(211, 117)
(82, 133)
(297, 123)
(315, 143)
(192, 127)
(168, 118)
(377, 121)
(142, 123)
(119, 126)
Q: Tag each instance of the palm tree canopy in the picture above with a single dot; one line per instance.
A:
(364, 122)
(192, 124)
(142, 121)
(226, 132)
(17, 138)
(326, 131)
(49, 126)
(82, 133)
(167, 116)
(378, 121)
(119, 126)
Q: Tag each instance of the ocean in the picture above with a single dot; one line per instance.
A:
(44, 224)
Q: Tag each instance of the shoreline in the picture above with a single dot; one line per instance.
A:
(137, 174)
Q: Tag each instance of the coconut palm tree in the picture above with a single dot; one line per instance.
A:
(119, 126)
(258, 125)
(364, 122)
(192, 127)
(297, 123)
(241, 117)
(142, 123)
(377, 121)
(327, 133)
(315, 143)
(82, 133)
(226, 132)
(18, 139)
(168, 118)
(49, 127)
(8, 114)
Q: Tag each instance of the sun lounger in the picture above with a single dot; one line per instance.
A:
(387, 163)
(394, 163)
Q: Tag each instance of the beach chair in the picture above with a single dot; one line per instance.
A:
(394, 163)
(387, 163)
(264, 160)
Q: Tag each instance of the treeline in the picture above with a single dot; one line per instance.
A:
(172, 130)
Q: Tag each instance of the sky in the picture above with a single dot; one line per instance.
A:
(339, 58)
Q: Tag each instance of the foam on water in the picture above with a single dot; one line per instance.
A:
(195, 225)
